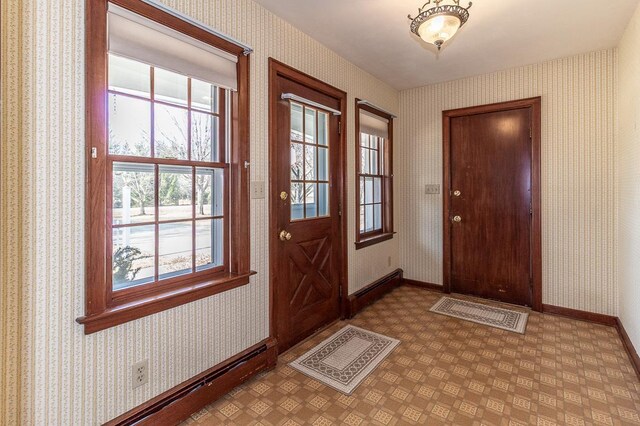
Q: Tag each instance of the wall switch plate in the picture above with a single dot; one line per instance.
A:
(432, 188)
(389, 261)
(140, 373)
(257, 189)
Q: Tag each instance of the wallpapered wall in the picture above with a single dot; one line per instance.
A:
(578, 173)
(70, 378)
(629, 179)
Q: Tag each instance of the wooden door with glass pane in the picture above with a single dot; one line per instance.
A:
(308, 237)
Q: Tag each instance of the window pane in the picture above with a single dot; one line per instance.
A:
(310, 162)
(208, 182)
(362, 189)
(361, 219)
(368, 190)
(175, 249)
(323, 128)
(296, 122)
(377, 216)
(204, 137)
(133, 256)
(296, 161)
(323, 164)
(364, 160)
(311, 209)
(170, 132)
(129, 76)
(129, 126)
(323, 199)
(364, 140)
(377, 190)
(368, 218)
(170, 87)
(374, 162)
(133, 193)
(209, 243)
(297, 201)
(373, 142)
(309, 125)
(174, 196)
(204, 96)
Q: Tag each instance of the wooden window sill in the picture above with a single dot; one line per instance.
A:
(366, 242)
(126, 312)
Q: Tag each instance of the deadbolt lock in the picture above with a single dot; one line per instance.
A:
(284, 235)
(457, 219)
(283, 195)
(457, 193)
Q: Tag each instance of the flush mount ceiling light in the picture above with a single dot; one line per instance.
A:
(439, 23)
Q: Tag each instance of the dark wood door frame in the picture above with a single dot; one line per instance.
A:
(536, 223)
(279, 69)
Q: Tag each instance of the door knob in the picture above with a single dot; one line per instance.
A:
(284, 235)
(457, 219)
(456, 193)
(283, 195)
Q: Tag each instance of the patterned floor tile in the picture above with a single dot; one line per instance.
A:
(450, 372)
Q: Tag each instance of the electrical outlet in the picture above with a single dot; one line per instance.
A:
(257, 189)
(433, 188)
(140, 373)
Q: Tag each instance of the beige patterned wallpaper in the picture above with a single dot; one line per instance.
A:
(578, 173)
(10, 196)
(67, 377)
(628, 168)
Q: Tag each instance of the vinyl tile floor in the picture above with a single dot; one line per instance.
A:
(451, 372)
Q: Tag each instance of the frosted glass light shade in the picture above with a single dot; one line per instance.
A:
(438, 29)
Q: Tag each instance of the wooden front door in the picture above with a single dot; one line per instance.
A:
(306, 169)
(490, 204)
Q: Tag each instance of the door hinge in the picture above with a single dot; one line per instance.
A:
(339, 127)
(530, 133)
(339, 209)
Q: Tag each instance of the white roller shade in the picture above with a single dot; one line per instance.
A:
(372, 124)
(136, 37)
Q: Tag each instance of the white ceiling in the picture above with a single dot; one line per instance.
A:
(374, 34)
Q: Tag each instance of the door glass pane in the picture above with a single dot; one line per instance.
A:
(310, 125)
(296, 154)
(175, 249)
(368, 190)
(129, 76)
(297, 200)
(170, 132)
(209, 243)
(133, 193)
(170, 87)
(311, 209)
(174, 193)
(323, 128)
(204, 137)
(377, 190)
(310, 162)
(204, 96)
(129, 126)
(368, 218)
(133, 256)
(323, 199)
(323, 164)
(209, 192)
(296, 122)
(377, 216)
